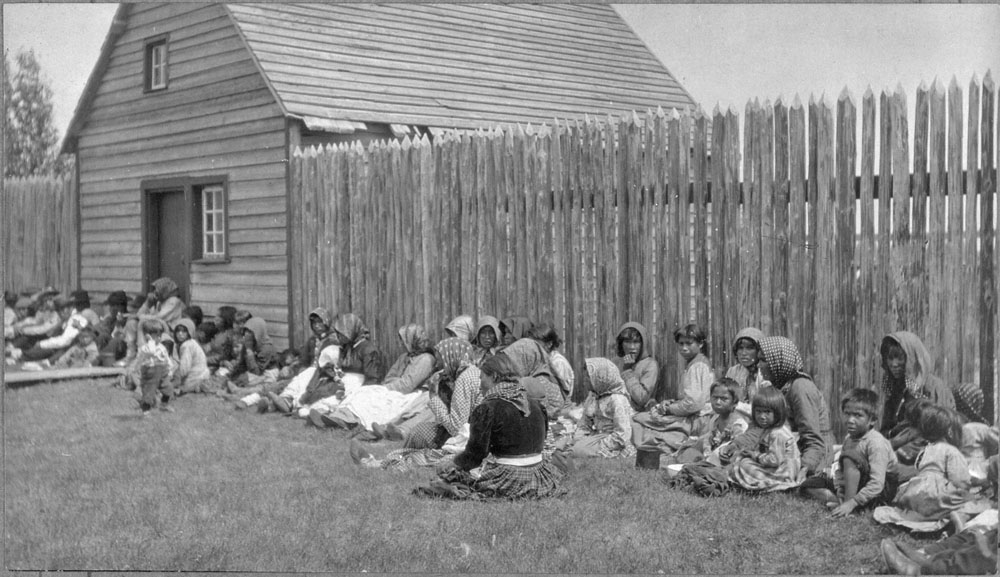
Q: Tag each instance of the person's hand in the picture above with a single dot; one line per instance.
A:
(433, 383)
(151, 298)
(629, 359)
(845, 509)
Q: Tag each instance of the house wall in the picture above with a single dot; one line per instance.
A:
(217, 117)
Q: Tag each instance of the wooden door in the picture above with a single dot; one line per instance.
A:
(168, 239)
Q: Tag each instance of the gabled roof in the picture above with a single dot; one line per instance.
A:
(454, 65)
(440, 65)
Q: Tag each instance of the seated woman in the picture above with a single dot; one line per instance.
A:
(163, 304)
(667, 425)
(531, 358)
(360, 361)
(286, 395)
(513, 329)
(461, 326)
(637, 366)
(605, 430)
(808, 416)
(400, 394)
(746, 351)
(906, 377)
(221, 356)
(486, 339)
(256, 361)
(453, 392)
(192, 370)
(546, 334)
(510, 429)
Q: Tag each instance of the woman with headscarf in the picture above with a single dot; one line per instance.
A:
(906, 377)
(808, 415)
(256, 361)
(513, 329)
(562, 370)
(486, 340)
(979, 441)
(286, 395)
(531, 358)
(746, 351)
(461, 326)
(637, 366)
(397, 397)
(510, 429)
(454, 391)
(605, 430)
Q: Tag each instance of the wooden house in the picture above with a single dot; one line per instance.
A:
(183, 134)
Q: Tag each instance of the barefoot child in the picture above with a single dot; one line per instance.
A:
(192, 368)
(155, 366)
(774, 464)
(83, 353)
(867, 474)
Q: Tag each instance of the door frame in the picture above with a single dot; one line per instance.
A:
(184, 184)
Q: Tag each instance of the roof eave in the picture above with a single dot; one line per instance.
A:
(83, 105)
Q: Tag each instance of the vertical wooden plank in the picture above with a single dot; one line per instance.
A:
(676, 188)
(949, 289)
(556, 184)
(629, 219)
(917, 259)
(813, 238)
(647, 236)
(699, 169)
(664, 303)
(425, 183)
(684, 313)
(732, 192)
(970, 255)
(765, 203)
(826, 328)
(865, 324)
(884, 314)
(988, 290)
(501, 247)
(844, 313)
(779, 275)
(799, 308)
(717, 284)
(749, 296)
(608, 224)
(935, 232)
(900, 211)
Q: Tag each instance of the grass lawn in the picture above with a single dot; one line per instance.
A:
(91, 485)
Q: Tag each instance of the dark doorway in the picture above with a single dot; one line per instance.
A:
(168, 238)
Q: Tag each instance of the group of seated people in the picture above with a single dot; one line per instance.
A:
(490, 408)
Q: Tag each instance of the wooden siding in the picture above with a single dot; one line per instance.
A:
(217, 117)
(455, 65)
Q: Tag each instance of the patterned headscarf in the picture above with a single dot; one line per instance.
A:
(918, 360)
(322, 314)
(518, 326)
(165, 288)
(455, 355)
(969, 401)
(604, 377)
(462, 327)
(530, 358)
(783, 358)
(414, 338)
(349, 325)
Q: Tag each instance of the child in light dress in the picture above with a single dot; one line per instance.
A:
(775, 463)
(605, 429)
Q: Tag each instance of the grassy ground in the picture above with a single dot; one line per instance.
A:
(90, 485)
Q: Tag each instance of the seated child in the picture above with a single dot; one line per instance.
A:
(711, 432)
(775, 463)
(867, 474)
(289, 362)
(154, 367)
(327, 381)
(666, 425)
(941, 484)
(83, 353)
(256, 359)
(192, 369)
(605, 429)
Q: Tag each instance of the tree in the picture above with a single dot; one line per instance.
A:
(31, 139)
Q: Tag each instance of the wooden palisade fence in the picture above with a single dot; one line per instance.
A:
(39, 233)
(591, 223)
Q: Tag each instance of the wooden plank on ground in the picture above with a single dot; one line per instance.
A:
(14, 379)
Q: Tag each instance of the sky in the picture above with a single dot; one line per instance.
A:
(722, 54)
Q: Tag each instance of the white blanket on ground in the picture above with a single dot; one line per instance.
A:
(352, 383)
(377, 404)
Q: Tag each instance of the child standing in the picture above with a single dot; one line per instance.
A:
(774, 464)
(83, 353)
(941, 484)
(155, 367)
(868, 466)
(711, 432)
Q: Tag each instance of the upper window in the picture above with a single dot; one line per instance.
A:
(211, 200)
(156, 64)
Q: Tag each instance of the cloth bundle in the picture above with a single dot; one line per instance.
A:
(705, 479)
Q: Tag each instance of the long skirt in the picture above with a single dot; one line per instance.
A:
(660, 433)
(377, 404)
(499, 482)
